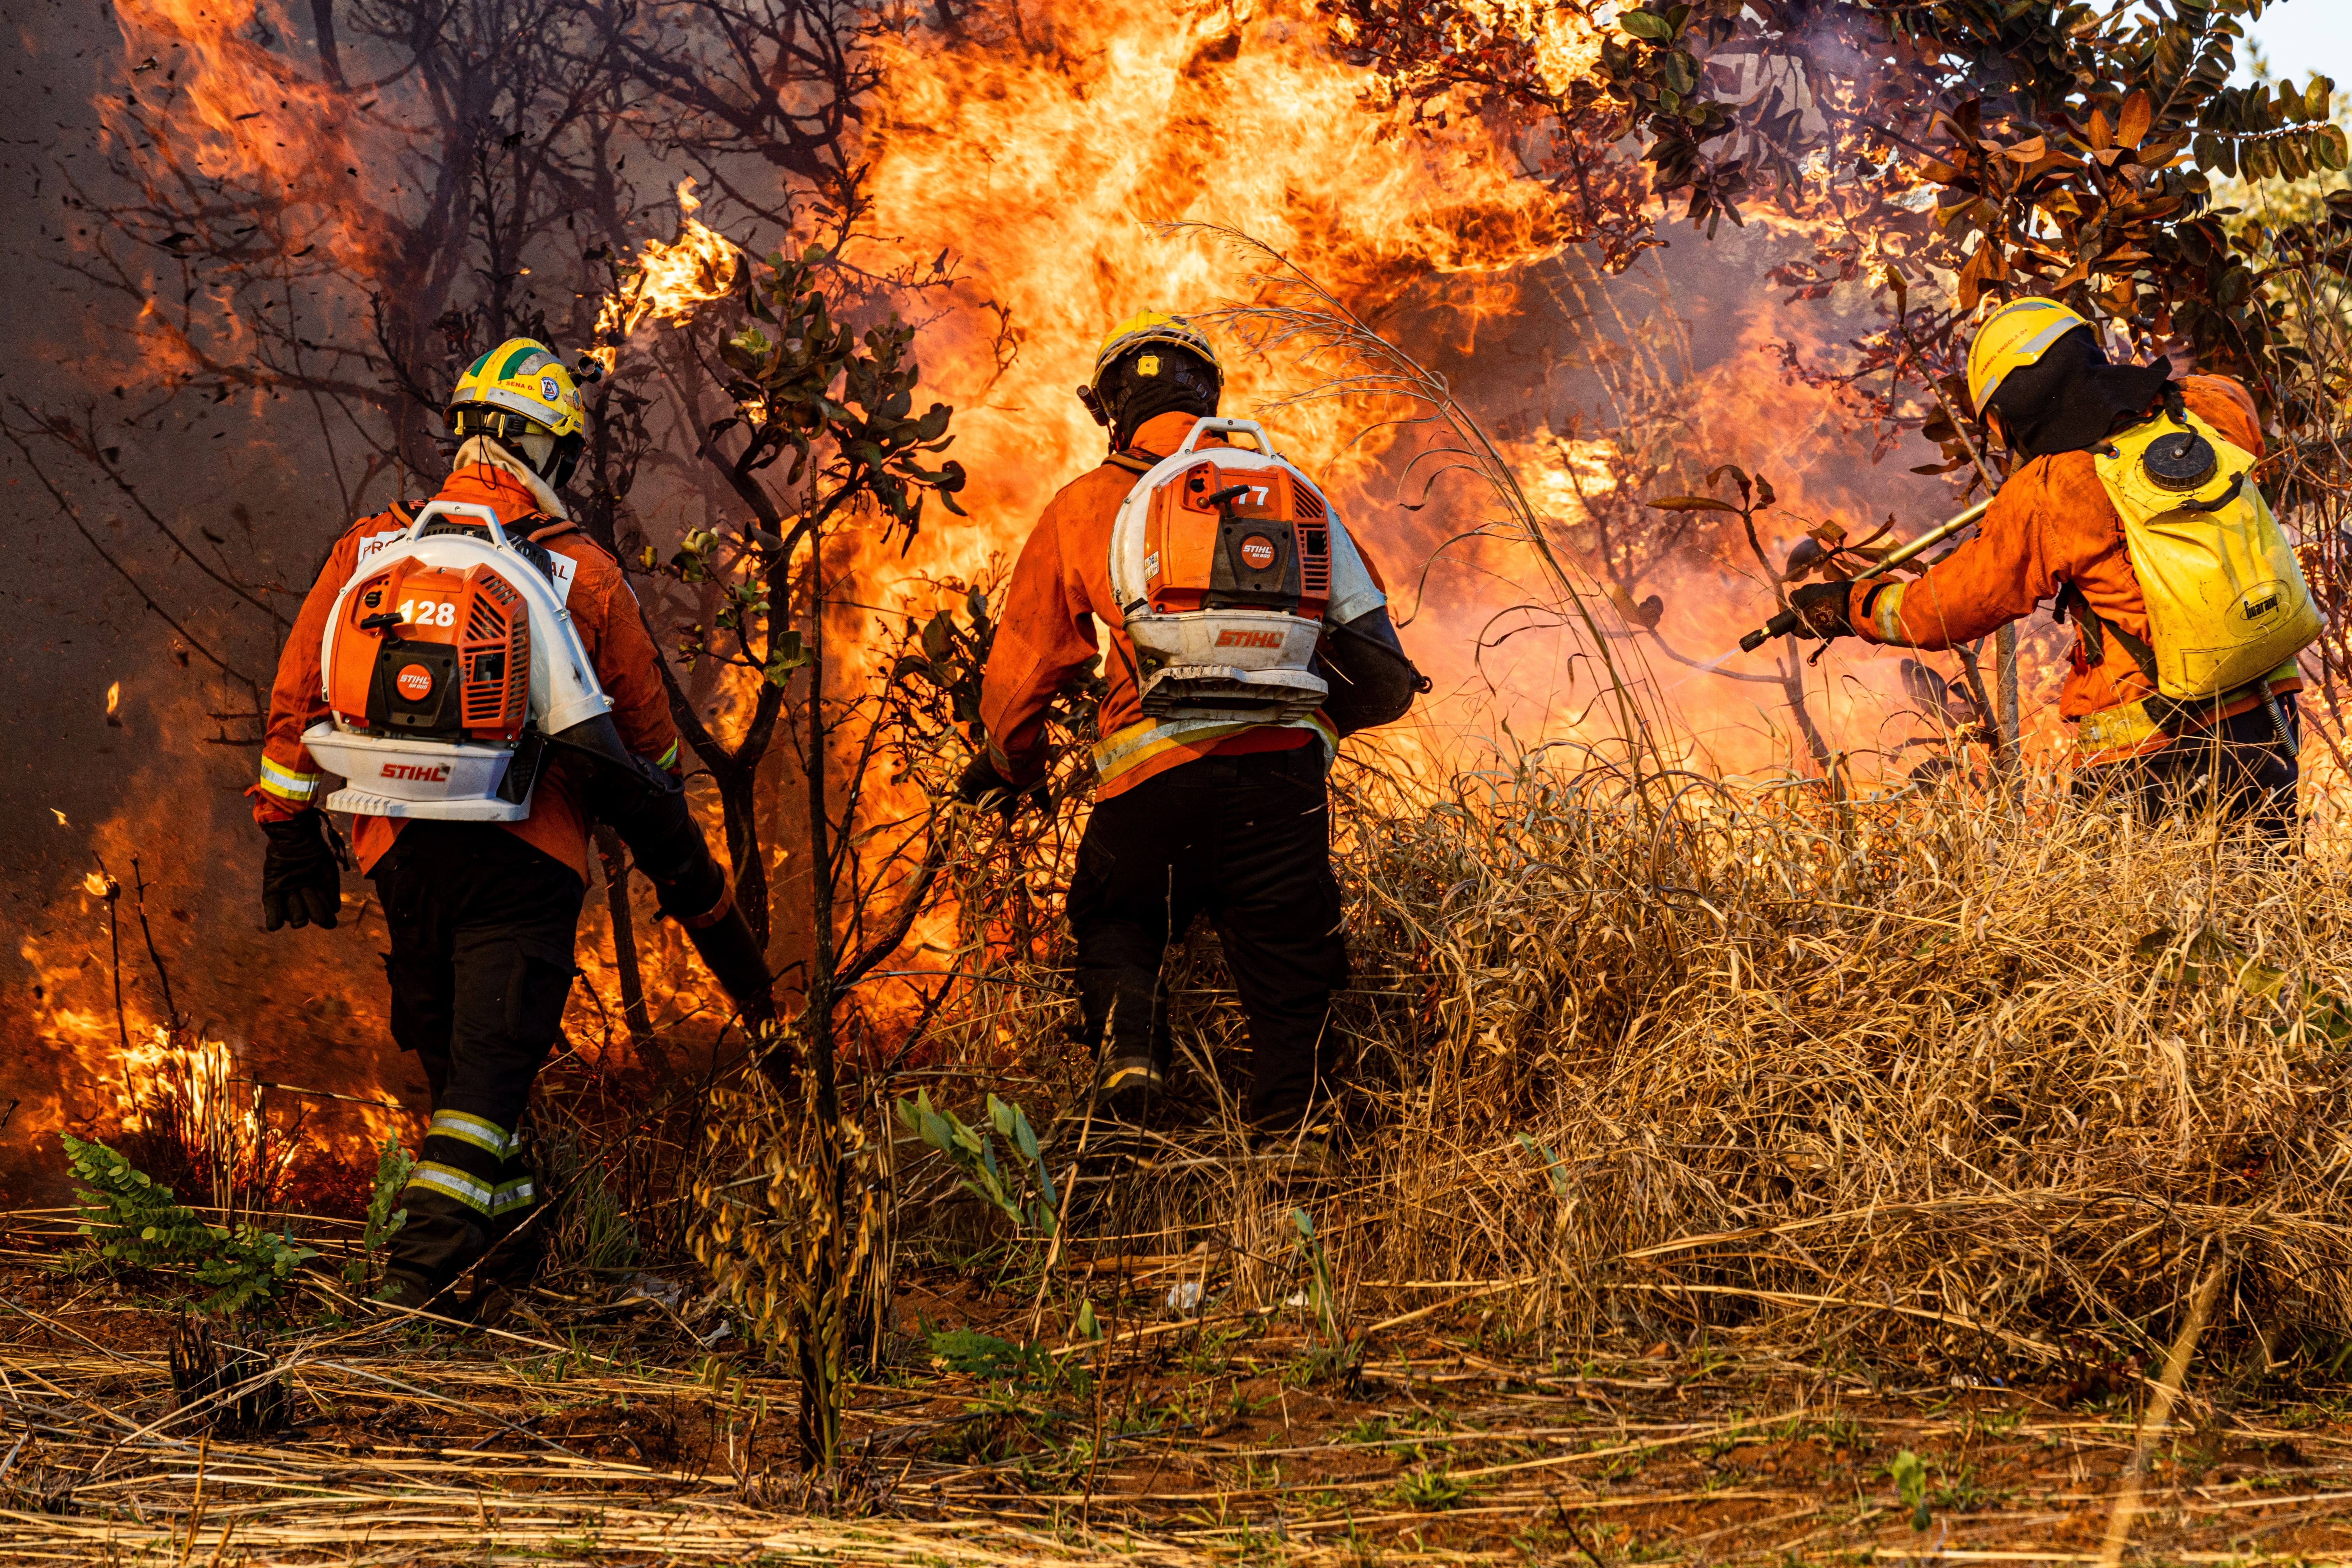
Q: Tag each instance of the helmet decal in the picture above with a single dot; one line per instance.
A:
(521, 376)
(518, 361)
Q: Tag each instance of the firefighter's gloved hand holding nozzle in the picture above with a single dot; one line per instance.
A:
(301, 881)
(1822, 610)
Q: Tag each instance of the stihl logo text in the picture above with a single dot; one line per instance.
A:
(1231, 638)
(422, 773)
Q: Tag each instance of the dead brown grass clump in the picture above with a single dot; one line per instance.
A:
(1925, 1076)
(1924, 1073)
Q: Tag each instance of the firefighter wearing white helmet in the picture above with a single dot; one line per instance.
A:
(2131, 508)
(1246, 633)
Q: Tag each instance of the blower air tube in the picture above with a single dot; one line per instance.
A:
(648, 808)
(1372, 682)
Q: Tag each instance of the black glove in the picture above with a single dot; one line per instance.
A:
(1822, 610)
(981, 784)
(301, 880)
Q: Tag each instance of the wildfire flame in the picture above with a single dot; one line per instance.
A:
(668, 281)
(114, 704)
(97, 885)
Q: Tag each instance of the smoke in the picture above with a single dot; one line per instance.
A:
(1022, 159)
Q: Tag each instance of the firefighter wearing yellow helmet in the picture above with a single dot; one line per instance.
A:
(522, 397)
(1151, 363)
(480, 900)
(2130, 507)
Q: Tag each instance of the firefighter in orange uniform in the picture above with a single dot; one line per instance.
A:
(1216, 813)
(2056, 531)
(481, 914)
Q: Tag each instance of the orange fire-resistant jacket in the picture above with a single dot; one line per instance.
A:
(1061, 585)
(2051, 524)
(603, 609)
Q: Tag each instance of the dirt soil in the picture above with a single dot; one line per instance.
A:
(597, 1426)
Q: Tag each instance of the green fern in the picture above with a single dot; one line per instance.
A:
(134, 1222)
(130, 1217)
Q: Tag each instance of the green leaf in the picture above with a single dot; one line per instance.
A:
(977, 1354)
(1647, 25)
(1910, 1474)
(786, 653)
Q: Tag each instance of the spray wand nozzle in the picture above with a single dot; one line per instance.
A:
(1784, 623)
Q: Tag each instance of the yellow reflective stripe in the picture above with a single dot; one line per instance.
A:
(435, 1176)
(1886, 614)
(475, 1130)
(1124, 750)
(1142, 742)
(287, 784)
(668, 758)
(513, 1196)
(2032, 347)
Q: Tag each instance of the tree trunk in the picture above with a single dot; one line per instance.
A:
(738, 808)
(821, 1341)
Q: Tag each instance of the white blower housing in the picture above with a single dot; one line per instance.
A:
(464, 779)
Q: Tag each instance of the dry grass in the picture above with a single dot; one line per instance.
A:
(1926, 1076)
(1925, 1073)
(1702, 1137)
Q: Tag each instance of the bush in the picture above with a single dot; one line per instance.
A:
(133, 1222)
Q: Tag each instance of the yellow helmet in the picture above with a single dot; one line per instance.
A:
(2012, 338)
(522, 375)
(1139, 330)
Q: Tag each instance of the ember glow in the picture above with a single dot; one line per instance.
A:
(665, 283)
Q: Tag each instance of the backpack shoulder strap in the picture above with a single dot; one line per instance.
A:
(2096, 630)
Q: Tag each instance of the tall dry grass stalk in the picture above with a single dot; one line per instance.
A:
(1344, 359)
(1906, 1077)
(1901, 1072)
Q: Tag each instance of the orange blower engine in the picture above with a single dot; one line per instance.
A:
(439, 654)
(448, 664)
(1221, 563)
(451, 670)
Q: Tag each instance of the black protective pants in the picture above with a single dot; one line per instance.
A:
(480, 967)
(2238, 764)
(1246, 840)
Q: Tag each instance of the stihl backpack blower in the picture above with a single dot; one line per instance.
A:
(1221, 563)
(451, 670)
